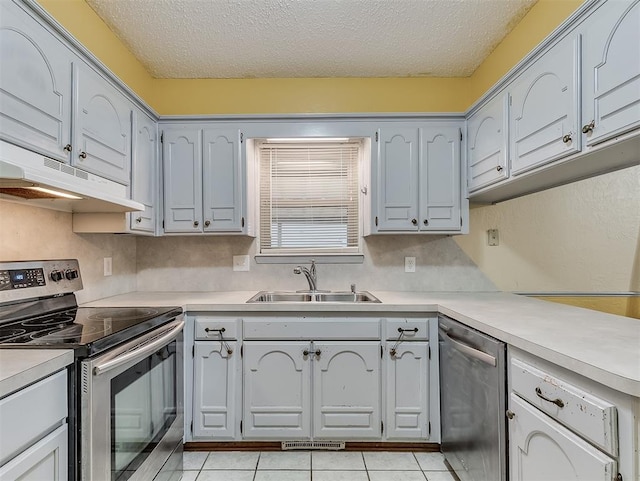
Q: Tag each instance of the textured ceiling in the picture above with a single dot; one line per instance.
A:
(310, 38)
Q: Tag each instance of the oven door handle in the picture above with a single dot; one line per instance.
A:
(471, 351)
(143, 348)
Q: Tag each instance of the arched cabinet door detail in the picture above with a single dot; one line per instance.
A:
(144, 171)
(611, 71)
(544, 109)
(35, 85)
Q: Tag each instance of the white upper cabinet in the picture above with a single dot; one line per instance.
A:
(144, 172)
(397, 180)
(35, 85)
(487, 140)
(417, 179)
(102, 126)
(182, 157)
(223, 180)
(544, 118)
(611, 71)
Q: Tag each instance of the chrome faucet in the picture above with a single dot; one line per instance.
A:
(310, 274)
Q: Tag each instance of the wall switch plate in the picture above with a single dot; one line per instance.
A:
(409, 264)
(492, 237)
(108, 266)
(241, 263)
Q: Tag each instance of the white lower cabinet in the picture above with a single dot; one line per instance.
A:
(407, 412)
(541, 449)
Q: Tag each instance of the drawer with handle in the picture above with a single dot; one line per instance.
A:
(410, 329)
(579, 410)
(212, 328)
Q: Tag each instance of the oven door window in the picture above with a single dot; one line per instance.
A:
(143, 407)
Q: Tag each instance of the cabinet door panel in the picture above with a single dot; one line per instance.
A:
(542, 449)
(182, 156)
(102, 126)
(544, 108)
(611, 70)
(408, 391)
(277, 390)
(216, 376)
(397, 173)
(222, 181)
(346, 390)
(35, 85)
(143, 171)
(440, 179)
(487, 144)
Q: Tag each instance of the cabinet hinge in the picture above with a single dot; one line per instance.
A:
(241, 426)
(381, 427)
(241, 137)
(381, 352)
(460, 221)
(162, 137)
(163, 224)
(460, 130)
(241, 351)
(242, 222)
(193, 351)
(429, 350)
(376, 136)
(191, 427)
(618, 477)
(429, 427)
(376, 221)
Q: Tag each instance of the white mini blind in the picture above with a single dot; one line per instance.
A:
(309, 197)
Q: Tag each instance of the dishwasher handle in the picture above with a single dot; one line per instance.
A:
(470, 351)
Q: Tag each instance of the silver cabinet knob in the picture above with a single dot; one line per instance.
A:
(68, 148)
(425, 222)
(82, 155)
(414, 221)
(305, 353)
(567, 138)
(318, 352)
(510, 414)
(588, 128)
(138, 219)
(499, 168)
(196, 223)
(207, 223)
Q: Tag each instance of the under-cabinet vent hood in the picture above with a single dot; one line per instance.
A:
(31, 178)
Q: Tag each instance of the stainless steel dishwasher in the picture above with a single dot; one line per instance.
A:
(472, 402)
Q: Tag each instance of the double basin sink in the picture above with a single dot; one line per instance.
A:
(318, 296)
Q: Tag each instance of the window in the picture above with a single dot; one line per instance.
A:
(309, 196)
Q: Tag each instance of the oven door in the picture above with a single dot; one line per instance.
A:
(131, 413)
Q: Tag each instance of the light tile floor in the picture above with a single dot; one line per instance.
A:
(314, 466)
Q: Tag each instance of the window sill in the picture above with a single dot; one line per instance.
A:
(307, 258)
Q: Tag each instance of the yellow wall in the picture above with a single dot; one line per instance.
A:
(307, 95)
(622, 306)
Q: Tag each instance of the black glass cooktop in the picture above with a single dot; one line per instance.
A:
(88, 330)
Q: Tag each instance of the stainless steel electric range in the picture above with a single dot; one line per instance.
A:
(126, 384)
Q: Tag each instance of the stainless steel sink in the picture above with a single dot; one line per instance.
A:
(340, 297)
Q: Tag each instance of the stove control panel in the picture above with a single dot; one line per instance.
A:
(33, 279)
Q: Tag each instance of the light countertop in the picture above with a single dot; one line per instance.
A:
(599, 346)
(21, 367)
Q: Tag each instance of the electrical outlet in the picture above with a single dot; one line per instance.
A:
(409, 264)
(241, 263)
(108, 266)
(492, 237)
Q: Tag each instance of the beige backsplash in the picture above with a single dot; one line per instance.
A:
(204, 263)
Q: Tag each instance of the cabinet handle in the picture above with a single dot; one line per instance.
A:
(222, 329)
(82, 155)
(68, 148)
(510, 414)
(305, 353)
(196, 223)
(414, 221)
(207, 223)
(558, 402)
(587, 129)
(425, 222)
(567, 138)
(499, 168)
(138, 219)
(318, 352)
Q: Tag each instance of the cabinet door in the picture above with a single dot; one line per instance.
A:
(487, 134)
(346, 390)
(182, 157)
(440, 179)
(102, 126)
(222, 181)
(611, 70)
(215, 390)
(277, 390)
(47, 459)
(544, 109)
(542, 449)
(397, 180)
(407, 391)
(143, 171)
(35, 85)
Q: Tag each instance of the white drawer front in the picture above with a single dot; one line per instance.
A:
(589, 416)
(30, 413)
(395, 327)
(210, 328)
(310, 328)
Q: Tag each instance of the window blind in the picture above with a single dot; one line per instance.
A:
(309, 197)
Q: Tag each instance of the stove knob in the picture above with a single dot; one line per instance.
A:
(56, 276)
(71, 274)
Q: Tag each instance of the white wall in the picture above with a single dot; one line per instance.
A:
(583, 236)
(28, 233)
(204, 263)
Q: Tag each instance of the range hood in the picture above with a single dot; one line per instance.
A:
(31, 178)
